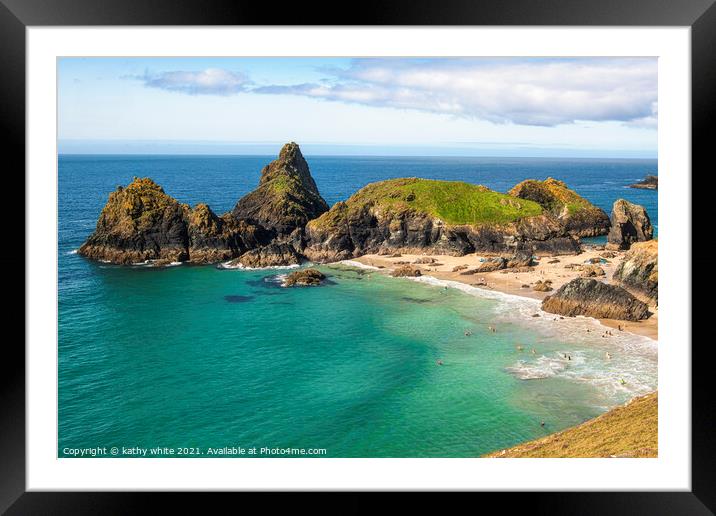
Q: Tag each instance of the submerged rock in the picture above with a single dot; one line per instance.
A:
(592, 298)
(305, 278)
(579, 216)
(639, 270)
(630, 223)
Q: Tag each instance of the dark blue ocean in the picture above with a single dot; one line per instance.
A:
(193, 356)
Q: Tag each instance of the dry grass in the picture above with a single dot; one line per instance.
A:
(630, 430)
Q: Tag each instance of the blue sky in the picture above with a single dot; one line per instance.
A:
(573, 107)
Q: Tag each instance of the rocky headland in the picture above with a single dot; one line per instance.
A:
(142, 223)
(441, 217)
(648, 183)
(285, 220)
(580, 217)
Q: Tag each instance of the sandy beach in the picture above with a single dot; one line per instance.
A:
(558, 269)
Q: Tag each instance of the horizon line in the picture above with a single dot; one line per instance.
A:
(120, 147)
(273, 155)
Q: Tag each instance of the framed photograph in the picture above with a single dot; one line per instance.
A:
(417, 253)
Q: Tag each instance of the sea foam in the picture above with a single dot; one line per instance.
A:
(226, 265)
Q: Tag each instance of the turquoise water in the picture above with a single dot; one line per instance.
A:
(198, 357)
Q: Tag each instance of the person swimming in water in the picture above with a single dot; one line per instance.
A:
(519, 347)
(534, 351)
(439, 362)
(608, 355)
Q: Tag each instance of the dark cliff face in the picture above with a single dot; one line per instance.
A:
(287, 196)
(592, 298)
(213, 238)
(580, 217)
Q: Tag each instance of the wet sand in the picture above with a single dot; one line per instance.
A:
(518, 283)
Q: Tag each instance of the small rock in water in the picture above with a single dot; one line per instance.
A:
(305, 278)
(238, 299)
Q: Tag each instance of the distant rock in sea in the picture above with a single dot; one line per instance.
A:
(579, 216)
(630, 223)
(592, 298)
(648, 183)
(639, 270)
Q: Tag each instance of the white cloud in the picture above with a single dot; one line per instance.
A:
(543, 92)
(212, 81)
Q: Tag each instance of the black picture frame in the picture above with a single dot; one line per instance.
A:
(16, 15)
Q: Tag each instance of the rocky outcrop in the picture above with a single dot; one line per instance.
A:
(287, 196)
(272, 255)
(639, 270)
(591, 298)
(304, 278)
(542, 286)
(630, 223)
(580, 217)
(406, 271)
(591, 271)
(491, 265)
(213, 239)
(440, 217)
(285, 219)
(139, 223)
(648, 183)
(142, 223)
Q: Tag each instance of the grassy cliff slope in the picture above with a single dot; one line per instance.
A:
(630, 430)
